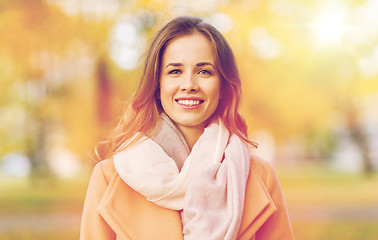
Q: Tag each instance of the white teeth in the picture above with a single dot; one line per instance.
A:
(189, 102)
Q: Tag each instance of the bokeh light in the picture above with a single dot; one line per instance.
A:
(330, 23)
(309, 73)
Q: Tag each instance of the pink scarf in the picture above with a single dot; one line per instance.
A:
(210, 188)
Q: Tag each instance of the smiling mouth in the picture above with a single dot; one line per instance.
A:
(189, 103)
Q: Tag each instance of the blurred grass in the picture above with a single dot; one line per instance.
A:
(56, 235)
(41, 210)
(319, 185)
(345, 230)
(323, 204)
(42, 196)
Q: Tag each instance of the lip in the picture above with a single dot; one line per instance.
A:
(190, 99)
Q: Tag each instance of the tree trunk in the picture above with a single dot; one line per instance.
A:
(359, 137)
(103, 93)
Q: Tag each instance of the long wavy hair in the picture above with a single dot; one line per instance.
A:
(142, 110)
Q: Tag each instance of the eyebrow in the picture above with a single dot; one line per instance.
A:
(174, 65)
(204, 64)
(198, 64)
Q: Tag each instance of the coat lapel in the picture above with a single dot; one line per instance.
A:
(131, 216)
(258, 206)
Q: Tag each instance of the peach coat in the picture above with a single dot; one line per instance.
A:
(113, 210)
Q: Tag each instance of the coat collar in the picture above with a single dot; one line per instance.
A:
(131, 216)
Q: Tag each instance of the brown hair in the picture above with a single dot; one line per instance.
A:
(143, 108)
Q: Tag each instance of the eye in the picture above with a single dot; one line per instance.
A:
(204, 73)
(175, 72)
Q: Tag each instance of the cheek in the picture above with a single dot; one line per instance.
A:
(215, 92)
(167, 90)
(164, 90)
(219, 95)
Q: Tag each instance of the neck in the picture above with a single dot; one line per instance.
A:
(191, 134)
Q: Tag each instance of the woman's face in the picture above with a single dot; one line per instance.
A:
(189, 83)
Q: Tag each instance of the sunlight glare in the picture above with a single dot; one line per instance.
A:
(330, 25)
(330, 28)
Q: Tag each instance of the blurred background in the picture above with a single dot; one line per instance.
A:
(310, 97)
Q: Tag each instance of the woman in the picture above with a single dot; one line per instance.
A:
(178, 165)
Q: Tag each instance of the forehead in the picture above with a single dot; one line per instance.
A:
(195, 47)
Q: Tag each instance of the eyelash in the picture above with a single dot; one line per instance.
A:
(203, 71)
(177, 71)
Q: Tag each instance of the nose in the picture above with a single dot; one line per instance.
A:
(189, 83)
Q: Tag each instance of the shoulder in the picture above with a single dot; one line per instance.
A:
(105, 168)
(265, 172)
(277, 226)
(263, 168)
